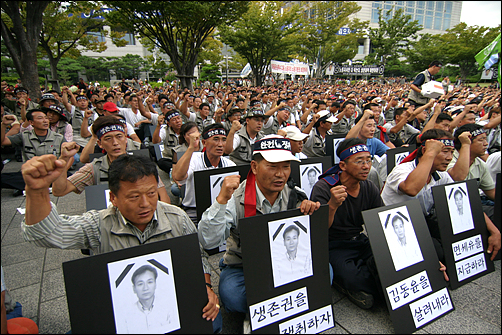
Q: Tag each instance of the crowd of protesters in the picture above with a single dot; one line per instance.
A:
(457, 137)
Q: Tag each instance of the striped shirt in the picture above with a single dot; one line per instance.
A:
(84, 231)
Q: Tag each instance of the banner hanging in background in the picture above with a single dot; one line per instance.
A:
(289, 68)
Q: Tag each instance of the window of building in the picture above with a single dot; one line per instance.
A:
(399, 3)
(430, 5)
(387, 7)
(374, 15)
(410, 4)
(312, 13)
(410, 11)
(377, 4)
(420, 11)
(421, 4)
(428, 22)
(439, 15)
(439, 6)
(99, 35)
(420, 19)
(446, 24)
(448, 6)
(360, 50)
(437, 23)
(429, 13)
(398, 7)
(129, 38)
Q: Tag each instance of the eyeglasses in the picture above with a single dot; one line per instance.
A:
(361, 162)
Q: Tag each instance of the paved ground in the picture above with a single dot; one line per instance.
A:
(35, 277)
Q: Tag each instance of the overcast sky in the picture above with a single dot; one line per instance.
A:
(481, 13)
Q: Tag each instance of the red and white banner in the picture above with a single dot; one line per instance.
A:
(289, 68)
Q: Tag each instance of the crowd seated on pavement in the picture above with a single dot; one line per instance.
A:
(227, 120)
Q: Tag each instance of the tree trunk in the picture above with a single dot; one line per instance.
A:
(29, 76)
(22, 41)
(54, 67)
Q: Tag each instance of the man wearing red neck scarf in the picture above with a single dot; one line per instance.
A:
(425, 168)
(265, 191)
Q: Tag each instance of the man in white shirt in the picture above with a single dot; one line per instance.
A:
(214, 138)
(414, 179)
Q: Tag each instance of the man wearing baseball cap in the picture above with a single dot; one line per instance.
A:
(317, 129)
(278, 120)
(264, 191)
(241, 138)
(296, 138)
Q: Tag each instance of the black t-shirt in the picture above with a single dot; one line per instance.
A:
(124, 87)
(348, 219)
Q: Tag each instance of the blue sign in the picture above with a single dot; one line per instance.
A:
(100, 17)
(345, 31)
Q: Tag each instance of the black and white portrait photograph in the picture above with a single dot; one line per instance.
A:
(336, 142)
(216, 181)
(401, 237)
(290, 249)
(459, 208)
(309, 174)
(144, 294)
(107, 197)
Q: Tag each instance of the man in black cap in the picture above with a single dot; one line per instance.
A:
(241, 138)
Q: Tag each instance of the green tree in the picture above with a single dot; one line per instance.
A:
(462, 43)
(423, 51)
(318, 42)
(65, 33)
(210, 72)
(178, 28)
(68, 70)
(95, 68)
(393, 36)
(263, 33)
(21, 27)
(128, 66)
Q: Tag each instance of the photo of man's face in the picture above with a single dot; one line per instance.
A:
(459, 201)
(312, 176)
(291, 239)
(144, 285)
(398, 225)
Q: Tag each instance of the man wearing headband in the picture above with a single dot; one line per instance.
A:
(111, 137)
(77, 108)
(136, 217)
(277, 121)
(264, 191)
(346, 190)
(477, 167)
(425, 168)
(167, 134)
(22, 98)
(213, 138)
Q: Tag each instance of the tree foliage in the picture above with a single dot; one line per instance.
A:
(393, 36)
(317, 40)
(178, 28)
(210, 72)
(21, 26)
(263, 33)
(462, 43)
(65, 33)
